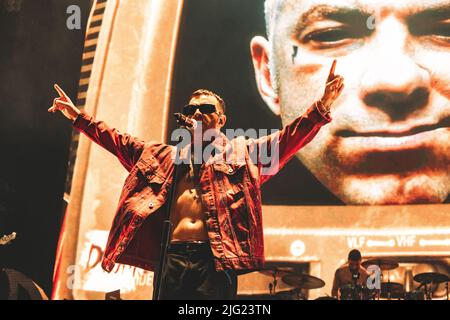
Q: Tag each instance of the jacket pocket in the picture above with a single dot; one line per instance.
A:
(149, 171)
(145, 197)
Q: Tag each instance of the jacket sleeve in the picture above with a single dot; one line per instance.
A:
(126, 148)
(281, 146)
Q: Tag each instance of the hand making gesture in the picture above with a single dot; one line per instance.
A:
(333, 89)
(64, 104)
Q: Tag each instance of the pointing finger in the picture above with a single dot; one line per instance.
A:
(60, 91)
(332, 70)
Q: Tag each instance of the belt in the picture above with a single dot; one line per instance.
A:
(189, 246)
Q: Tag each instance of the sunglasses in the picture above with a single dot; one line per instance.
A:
(190, 109)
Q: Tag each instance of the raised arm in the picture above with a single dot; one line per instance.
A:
(126, 148)
(64, 104)
(285, 143)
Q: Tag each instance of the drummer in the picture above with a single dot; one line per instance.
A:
(351, 273)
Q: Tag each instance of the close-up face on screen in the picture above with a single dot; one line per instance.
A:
(332, 116)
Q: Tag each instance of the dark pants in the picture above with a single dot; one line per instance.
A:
(190, 274)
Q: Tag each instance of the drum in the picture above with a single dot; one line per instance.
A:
(294, 294)
(352, 292)
(415, 295)
(370, 294)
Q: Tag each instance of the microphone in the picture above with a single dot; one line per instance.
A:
(355, 276)
(184, 121)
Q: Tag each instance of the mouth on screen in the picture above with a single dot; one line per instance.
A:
(415, 151)
(392, 140)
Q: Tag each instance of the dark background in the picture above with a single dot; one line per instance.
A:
(36, 51)
(214, 53)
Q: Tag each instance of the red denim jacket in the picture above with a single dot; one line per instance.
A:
(230, 192)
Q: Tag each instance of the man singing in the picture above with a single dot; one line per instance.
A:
(216, 216)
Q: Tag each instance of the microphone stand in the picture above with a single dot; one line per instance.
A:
(167, 228)
(389, 286)
(446, 289)
(356, 290)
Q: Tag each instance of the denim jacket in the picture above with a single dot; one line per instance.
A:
(230, 192)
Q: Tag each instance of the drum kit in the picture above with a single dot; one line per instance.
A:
(298, 282)
(392, 290)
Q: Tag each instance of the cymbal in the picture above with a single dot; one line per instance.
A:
(396, 290)
(431, 277)
(384, 264)
(303, 281)
(277, 272)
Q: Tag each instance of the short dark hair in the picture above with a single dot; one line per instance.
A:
(354, 255)
(204, 92)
